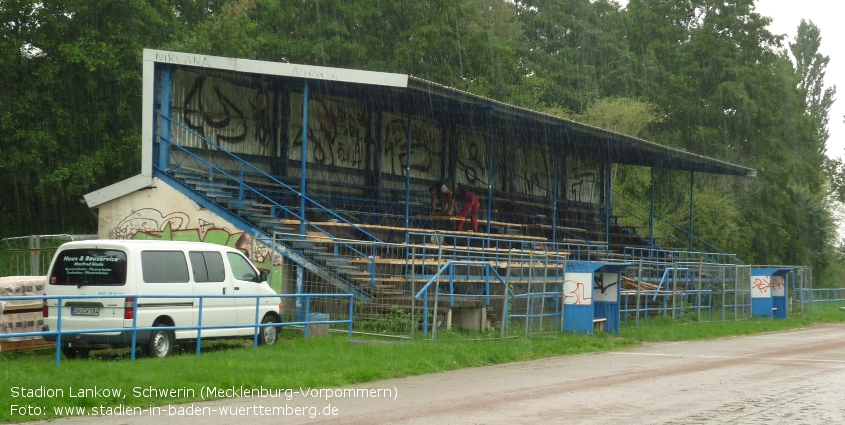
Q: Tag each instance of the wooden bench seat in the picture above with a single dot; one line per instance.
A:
(376, 227)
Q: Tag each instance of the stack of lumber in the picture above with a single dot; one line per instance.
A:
(18, 316)
(630, 284)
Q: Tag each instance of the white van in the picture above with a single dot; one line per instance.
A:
(129, 267)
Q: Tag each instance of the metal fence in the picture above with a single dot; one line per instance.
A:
(701, 291)
(31, 255)
(306, 323)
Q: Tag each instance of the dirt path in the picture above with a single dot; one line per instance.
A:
(794, 377)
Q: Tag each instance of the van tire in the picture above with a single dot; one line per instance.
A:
(161, 343)
(270, 334)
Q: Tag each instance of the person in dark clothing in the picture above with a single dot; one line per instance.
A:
(441, 193)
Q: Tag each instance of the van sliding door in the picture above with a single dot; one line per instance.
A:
(210, 279)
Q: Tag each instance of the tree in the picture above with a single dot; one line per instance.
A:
(810, 64)
(71, 94)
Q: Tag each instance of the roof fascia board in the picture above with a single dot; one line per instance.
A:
(277, 68)
(116, 190)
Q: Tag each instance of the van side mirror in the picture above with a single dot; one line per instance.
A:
(262, 276)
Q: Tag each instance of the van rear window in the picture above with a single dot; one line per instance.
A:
(92, 266)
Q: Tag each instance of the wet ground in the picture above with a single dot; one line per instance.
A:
(794, 377)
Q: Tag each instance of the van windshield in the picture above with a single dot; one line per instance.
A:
(89, 266)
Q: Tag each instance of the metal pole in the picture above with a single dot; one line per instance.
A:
(723, 273)
(408, 177)
(639, 284)
(413, 289)
(434, 320)
(543, 300)
(608, 188)
(554, 201)
(674, 289)
(34, 248)
(505, 321)
(302, 192)
(698, 290)
(529, 307)
(489, 179)
(691, 208)
(651, 211)
(164, 110)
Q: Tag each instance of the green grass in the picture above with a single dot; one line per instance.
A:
(320, 362)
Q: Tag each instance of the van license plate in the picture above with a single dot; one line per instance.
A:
(84, 311)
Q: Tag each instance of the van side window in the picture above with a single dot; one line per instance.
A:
(241, 268)
(207, 266)
(164, 267)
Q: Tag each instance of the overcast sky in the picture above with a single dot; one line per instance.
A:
(786, 15)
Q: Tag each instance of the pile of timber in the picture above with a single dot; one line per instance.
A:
(630, 284)
(19, 316)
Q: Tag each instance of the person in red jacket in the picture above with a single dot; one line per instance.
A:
(470, 205)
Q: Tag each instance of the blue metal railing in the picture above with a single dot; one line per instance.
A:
(827, 297)
(423, 292)
(245, 189)
(243, 186)
(462, 247)
(686, 232)
(59, 332)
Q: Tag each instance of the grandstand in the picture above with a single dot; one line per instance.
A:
(321, 176)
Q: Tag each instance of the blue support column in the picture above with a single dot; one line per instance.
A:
(302, 192)
(490, 176)
(651, 211)
(300, 290)
(408, 178)
(608, 186)
(691, 208)
(554, 200)
(164, 110)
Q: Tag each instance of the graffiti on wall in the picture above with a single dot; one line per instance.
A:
(337, 132)
(578, 295)
(533, 170)
(236, 118)
(152, 224)
(426, 152)
(760, 284)
(577, 289)
(605, 287)
(473, 157)
(583, 181)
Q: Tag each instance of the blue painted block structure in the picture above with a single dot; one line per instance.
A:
(768, 292)
(591, 291)
(606, 295)
(779, 291)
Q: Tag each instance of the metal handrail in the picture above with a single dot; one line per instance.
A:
(259, 172)
(667, 234)
(199, 327)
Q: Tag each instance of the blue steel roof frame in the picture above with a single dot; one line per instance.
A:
(433, 99)
(619, 148)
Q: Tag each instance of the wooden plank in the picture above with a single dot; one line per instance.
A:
(39, 343)
(415, 230)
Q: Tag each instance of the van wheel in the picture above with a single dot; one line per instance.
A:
(161, 343)
(75, 352)
(268, 335)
